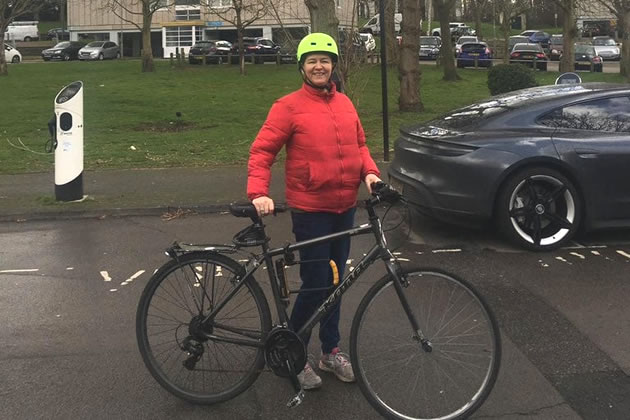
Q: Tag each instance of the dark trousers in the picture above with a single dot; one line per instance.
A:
(319, 274)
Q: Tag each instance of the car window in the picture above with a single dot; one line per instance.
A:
(96, 44)
(429, 41)
(604, 42)
(584, 49)
(528, 47)
(62, 45)
(266, 43)
(609, 114)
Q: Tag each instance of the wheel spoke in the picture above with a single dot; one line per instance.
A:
(560, 221)
(531, 190)
(537, 230)
(552, 196)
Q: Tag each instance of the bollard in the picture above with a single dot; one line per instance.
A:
(69, 143)
(171, 60)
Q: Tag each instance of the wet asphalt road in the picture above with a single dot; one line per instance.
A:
(68, 347)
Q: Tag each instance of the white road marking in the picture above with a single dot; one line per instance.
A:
(563, 260)
(69, 268)
(135, 276)
(578, 255)
(435, 251)
(113, 290)
(349, 261)
(596, 253)
(403, 259)
(105, 275)
(625, 254)
(397, 253)
(22, 270)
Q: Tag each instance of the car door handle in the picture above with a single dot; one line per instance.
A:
(587, 153)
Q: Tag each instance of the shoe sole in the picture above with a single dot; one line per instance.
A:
(341, 378)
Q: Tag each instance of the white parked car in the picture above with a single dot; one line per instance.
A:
(369, 41)
(11, 55)
(606, 48)
(463, 40)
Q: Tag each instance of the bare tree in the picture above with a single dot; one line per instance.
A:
(569, 31)
(323, 16)
(241, 14)
(621, 10)
(444, 9)
(9, 11)
(509, 9)
(390, 32)
(126, 10)
(409, 72)
(478, 7)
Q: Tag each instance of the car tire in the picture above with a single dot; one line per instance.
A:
(15, 59)
(27, 39)
(118, 55)
(538, 209)
(101, 57)
(66, 57)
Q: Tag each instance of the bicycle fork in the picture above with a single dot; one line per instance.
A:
(399, 285)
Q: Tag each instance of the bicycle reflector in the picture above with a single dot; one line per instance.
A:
(335, 272)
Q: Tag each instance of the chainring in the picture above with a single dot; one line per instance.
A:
(283, 345)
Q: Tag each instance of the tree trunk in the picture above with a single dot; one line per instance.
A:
(4, 69)
(505, 31)
(390, 33)
(323, 16)
(569, 29)
(624, 62)
(444, 9)
(147, 51)
(239, 35)
(477, 9)
(409, 72)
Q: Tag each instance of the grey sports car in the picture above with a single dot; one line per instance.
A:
(539, 162)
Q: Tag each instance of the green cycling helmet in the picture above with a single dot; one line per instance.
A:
(317, 42)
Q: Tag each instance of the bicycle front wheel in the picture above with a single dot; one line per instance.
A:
(171, 336)
(452, 377)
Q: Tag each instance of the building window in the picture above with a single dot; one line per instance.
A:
(219, 3)
(181, 36)
(188, 14)
(187, 2)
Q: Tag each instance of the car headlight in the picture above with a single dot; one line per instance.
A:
(94, 53)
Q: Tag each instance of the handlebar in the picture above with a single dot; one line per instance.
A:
(382, 192)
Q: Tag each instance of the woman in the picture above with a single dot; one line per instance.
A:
(327, 159)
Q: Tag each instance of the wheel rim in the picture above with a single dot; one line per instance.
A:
(409, 382)
(15, 59)
(542, 210)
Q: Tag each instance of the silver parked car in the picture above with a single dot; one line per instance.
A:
(99, 50)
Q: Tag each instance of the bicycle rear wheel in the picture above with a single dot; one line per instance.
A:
(404, 381)
(176, 298)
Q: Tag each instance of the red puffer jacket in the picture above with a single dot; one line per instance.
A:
(327, 157)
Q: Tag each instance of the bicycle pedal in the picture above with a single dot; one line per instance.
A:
(296, 400)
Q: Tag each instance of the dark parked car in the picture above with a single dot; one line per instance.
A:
(474, 54)
(66, 51)
(209, 51)
(516, 39)
(556, 45)
(538, 37)
(587, 59)
(58, 33)
(539, 162)
(430, 47)
(262, 49)
(529, 55)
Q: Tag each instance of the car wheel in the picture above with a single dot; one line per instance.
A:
(219, 60)
(117, 55)
(101, 57)
(539, 209)
(15, 59)
(66, 57)
(27, 39)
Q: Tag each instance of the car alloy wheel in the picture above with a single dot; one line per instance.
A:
(101, 57)
(15, 59)
(539, 209)
(66, 57)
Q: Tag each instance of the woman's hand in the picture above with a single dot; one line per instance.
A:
(369, 180)
(264, 205)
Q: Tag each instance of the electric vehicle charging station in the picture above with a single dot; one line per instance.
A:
(68, 143)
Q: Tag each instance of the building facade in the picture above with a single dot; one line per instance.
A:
(180, 23)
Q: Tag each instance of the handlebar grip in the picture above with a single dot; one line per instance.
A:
(279, 208)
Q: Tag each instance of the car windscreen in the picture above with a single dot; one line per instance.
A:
(428, 41)
(600, 42)
(556, 41)
(465, 39)
(96, 44)
(62, 45)
(471, 116)
(516, 40)
(528, 47)
(584, 49)
(474, 47)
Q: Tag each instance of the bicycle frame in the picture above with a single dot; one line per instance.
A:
(379, 250)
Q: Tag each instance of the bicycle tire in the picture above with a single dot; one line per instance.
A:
(224, 370)
(398, 377)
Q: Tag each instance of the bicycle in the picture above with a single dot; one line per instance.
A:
(205, 331)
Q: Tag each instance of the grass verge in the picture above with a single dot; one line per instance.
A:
(130, 117)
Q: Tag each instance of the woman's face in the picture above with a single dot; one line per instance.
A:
(318, 68)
